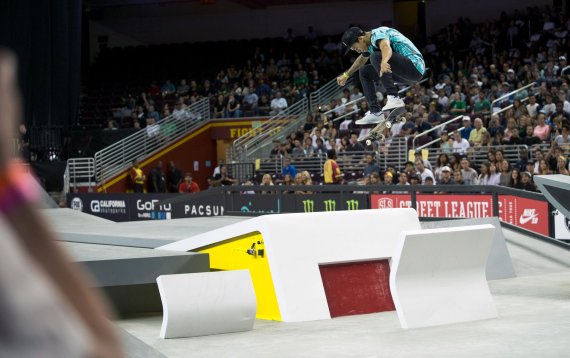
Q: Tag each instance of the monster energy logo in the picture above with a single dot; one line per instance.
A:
(308, 206)
(330, 205)
(352, 204)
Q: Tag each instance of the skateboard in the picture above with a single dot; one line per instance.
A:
(389, 117)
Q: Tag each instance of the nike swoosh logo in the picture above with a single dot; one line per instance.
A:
(527, 219)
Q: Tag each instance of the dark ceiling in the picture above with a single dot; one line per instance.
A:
(250, 4)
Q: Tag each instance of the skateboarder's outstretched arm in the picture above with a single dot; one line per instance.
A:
(359, 62)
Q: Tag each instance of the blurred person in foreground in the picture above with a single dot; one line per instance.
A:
(47, 305)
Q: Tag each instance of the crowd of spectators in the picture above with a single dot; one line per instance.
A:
(473, 70)
(270, 79)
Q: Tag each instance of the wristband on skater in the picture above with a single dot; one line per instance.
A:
(345, 74)
(17, 186)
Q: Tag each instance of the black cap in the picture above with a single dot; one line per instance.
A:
(350, 36)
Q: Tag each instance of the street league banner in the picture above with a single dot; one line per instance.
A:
(438, 205)
(529, 214)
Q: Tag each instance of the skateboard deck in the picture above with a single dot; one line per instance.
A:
(388, 117)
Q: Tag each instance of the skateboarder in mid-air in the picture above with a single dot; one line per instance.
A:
(393, 58)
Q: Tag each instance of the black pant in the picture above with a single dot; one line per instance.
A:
(403, 72)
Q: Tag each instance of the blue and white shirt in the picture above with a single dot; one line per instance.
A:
(399, 43)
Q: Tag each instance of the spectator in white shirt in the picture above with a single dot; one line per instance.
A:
(460, 144)
(424, 172)
(468, 174)
(278, 104)
(532, 106)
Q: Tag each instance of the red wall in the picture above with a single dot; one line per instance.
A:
(357, 287)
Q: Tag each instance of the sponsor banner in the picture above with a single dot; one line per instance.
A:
(114, 207)
(213, 206)
(530, 214)
(455, 206)
(438, 205)
(390, 201)
(561, 226)
(263, 203)
(330, 202)
(146, 207)
(134, 207)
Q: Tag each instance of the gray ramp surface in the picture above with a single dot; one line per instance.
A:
(534, 257)
(75, 226)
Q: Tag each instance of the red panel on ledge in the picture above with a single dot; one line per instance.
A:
(357, 287)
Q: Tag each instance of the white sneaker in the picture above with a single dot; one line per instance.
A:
(370, 118)
(393, 102)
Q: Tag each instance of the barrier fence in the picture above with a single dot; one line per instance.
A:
(521, 209)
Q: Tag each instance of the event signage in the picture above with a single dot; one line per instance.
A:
(109, 206)
(529, 214)
(438, 205)
(330, 202)
(133, 207)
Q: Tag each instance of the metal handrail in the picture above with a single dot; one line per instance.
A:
(327, 92)
(511, 93)
(276, 122)
(79, 171)
(437, 139)
(434, 128)
(393, 154)
(119, 156)
(276, 127)
(245, 146)
(346, 115)
(343, 105)
(509, 107)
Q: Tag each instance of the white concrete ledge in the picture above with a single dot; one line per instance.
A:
(199, 304)
(438, 276)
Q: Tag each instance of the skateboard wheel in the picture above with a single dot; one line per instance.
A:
(381, 137)
(402, 119)
(388, 125)
(368, 142)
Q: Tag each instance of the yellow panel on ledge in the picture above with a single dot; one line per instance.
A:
(232, 254)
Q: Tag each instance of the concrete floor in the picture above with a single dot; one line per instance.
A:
(534, 320)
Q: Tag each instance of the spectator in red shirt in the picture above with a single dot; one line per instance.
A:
(188, 186)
